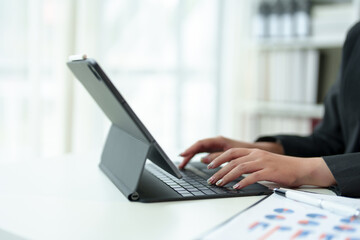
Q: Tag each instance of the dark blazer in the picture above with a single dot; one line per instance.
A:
(337, 137)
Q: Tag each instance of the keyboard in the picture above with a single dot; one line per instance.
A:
(190, 184)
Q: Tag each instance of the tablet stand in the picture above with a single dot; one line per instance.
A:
(123, 160)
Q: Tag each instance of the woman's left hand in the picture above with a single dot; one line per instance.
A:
(263, 165)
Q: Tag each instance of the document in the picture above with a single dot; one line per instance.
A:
(277, 217)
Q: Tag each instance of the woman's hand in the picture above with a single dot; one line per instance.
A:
(216, 146)
(263, 165)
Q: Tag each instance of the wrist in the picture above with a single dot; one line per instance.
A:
(319, 173)
(274, 147)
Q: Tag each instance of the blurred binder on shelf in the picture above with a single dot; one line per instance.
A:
(312, 76)
(261, 20)
(275, 76)
(287, 75)
(279, 19)
(298, 87)
(302, 18)
(263, 82)
(291, 76)
(282, 19)
(331, 19)
(275, 19)
(288, 19)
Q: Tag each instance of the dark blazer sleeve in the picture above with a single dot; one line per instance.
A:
(335, 139)
(346, 170)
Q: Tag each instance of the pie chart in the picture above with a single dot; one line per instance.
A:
(316, 216)
(308, 223)
(344, 228)
(275, 217)
(350, 220)
(283, 210)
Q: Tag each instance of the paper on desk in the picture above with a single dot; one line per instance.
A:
(277, 217)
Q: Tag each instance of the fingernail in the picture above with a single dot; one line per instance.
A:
(236, 186)
(210, 180)
(211, 165)
(219, 183)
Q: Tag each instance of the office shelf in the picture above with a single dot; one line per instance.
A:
(297, 110)
(299, 43)
(283, 67)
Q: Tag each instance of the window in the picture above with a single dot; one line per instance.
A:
(31, 78)
(161, 54)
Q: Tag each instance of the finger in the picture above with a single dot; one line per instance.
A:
(239, 170)
(237, 164)
(185, 161)
(222, 172)
(209, 158)
(228, 156)
(205, 145)
(251, 179)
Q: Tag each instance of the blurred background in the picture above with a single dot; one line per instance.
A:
(190, 68)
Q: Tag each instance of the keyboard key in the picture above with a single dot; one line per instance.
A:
(186, 194)
(198, 193)
(209, 192)
(182, 191)
(218, 190)
(174, 185)
(231, 190)
(198, 185)
(190, 184)
(199, 179)
(192, 181)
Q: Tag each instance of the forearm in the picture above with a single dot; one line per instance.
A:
(273, 147)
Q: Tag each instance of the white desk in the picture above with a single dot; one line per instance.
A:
(70, 198)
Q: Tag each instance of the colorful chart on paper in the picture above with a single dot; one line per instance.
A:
(277, 217)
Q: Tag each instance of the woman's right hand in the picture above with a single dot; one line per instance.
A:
(217, 145)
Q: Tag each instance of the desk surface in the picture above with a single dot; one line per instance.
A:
(70, 198)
